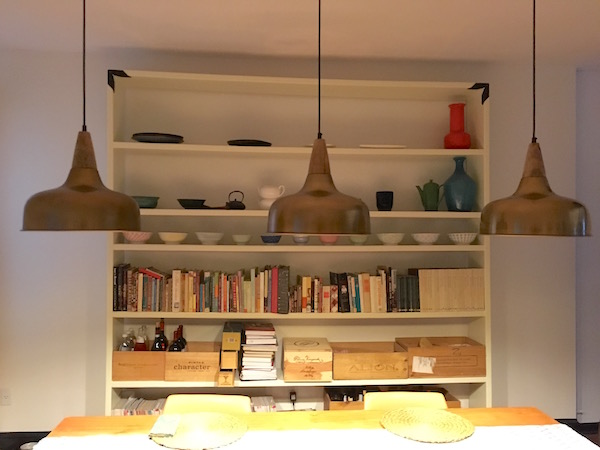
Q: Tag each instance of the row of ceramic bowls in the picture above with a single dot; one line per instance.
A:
(213, 238)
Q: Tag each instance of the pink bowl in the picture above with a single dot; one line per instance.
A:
(328, 239)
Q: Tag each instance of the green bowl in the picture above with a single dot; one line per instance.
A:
(145, 201)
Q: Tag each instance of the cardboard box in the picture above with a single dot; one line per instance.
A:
(456, 356)
(199, 363)
(226, 378)
(307, 359)
(232, 336)
(368, 361)
(229, 359)
(450, 289)
(142, 366)
(329, 404)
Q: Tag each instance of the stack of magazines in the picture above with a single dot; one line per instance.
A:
(258, 352)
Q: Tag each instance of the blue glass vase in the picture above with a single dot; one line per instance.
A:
(460, 190)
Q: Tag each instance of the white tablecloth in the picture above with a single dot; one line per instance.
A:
(534, 437)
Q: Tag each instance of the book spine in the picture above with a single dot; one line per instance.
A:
(283, 290)
(343, 295)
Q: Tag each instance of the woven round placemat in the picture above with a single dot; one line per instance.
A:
(427, 425)
(204, 430)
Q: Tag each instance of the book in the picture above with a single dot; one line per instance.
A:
(259, 329)
(283, 290)
(343, 295)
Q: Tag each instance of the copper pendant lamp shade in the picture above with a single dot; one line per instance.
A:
(82, 202)
(318, 208)
(534, 210)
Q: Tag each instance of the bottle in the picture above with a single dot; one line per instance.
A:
(161, 342)
(181, 338)
(125, 345)
(140, 344)
(176, 345)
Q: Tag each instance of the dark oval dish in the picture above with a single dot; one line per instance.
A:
(192, 203)
(249, 143)
(158, 138)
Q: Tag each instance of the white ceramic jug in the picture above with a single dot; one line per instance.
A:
(269, 191)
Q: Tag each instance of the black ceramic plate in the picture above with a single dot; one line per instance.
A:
(192, 203)
(160, 138)
(249, 142)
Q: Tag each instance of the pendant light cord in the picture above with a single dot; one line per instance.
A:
(319, 135)
(533, 138)
(84, 127)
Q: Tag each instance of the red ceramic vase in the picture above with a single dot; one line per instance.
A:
(457, 138)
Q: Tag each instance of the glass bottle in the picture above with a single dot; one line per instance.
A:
(181, 338)
(125, 345)
(176, 345)
(161, 342)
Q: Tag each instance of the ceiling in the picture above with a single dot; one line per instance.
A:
(568, 31)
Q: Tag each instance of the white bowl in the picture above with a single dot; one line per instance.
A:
(169, 237)
(390, 238)
(209, 237)
(137, 237)
(359, 239)
(462, 238)
(300, 238)
(241, 239)
(425, 238)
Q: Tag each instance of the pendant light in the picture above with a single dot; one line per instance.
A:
(534, 209)
(82, 202)
(318, 208)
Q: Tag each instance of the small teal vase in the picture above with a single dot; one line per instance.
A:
(460, 190)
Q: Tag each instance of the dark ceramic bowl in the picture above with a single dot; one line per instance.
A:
(145, 201)
(270, 238)
(191, 203)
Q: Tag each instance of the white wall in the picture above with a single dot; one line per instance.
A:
(588, 250)
(52, 316)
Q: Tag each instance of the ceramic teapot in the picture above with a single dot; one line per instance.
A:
(430, 195)
(268, 191)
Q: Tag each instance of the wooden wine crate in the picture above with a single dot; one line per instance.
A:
(142, 366)
(456, 356)
(307, 359)
(368, 361)
(200, 362)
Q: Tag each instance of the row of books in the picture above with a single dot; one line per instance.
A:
(135, 406)
(252, 290)
(259, 348)
(268, 290)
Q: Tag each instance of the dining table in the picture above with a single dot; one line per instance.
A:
(494, 428)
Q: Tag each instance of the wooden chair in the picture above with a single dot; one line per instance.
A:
(404, 399)
(193, 403)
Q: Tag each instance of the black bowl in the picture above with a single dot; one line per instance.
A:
(191, 203)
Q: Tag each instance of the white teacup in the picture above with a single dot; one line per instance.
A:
(269, 191)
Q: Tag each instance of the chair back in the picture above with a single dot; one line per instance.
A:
(404, 399)
(193, 403)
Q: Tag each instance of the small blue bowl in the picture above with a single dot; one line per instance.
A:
(270, 238)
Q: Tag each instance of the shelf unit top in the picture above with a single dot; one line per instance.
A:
(290, 86)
